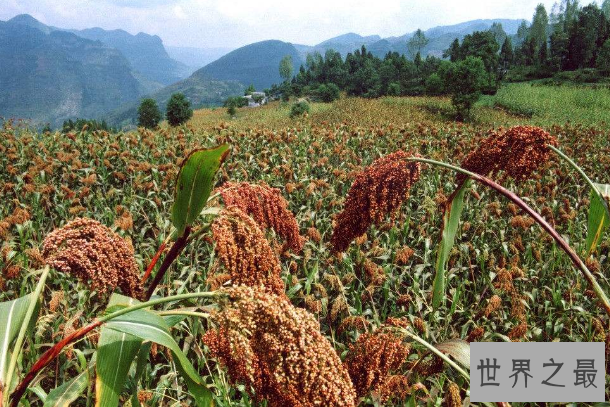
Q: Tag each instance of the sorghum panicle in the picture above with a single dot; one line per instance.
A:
(245, 252)
(518, 152)
(90, 251)
(277, 349)
(373, 358)
(267, 207)
(379, 190)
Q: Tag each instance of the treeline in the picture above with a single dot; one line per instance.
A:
(571, 37)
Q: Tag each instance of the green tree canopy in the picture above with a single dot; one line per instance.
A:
(178, 110)
(465, 81)
(417, 43)
(286, 68)
(149, 114)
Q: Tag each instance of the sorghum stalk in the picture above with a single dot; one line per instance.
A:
(578, 263)
(173, 253)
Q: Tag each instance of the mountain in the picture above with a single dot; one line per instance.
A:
(256, 64)
(145, 53)
(440, 39)
(49, 75)
(200, 89)
(195, 58)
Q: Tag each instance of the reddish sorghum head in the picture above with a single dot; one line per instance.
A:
(379, 190)
(267, 207)
(245, 252)
(372, 360)
(518, 152)
(277, 349)
(92, 252)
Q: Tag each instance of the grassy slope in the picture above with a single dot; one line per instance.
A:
(313, 161)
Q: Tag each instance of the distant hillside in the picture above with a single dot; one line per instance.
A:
(50, 76)
(195, 58)
(256, 64)
(440, 39)
(200, 89)
(145, 53)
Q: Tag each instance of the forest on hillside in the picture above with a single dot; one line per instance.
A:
(571, 43)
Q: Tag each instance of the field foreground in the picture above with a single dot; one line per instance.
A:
(507, 280)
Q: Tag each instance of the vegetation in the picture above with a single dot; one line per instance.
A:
(79, 125)
(178, 110)
(299, 109)
(465, 80)
(149, 114)
(272, 224)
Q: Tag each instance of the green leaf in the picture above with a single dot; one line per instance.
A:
(12, 314)
(598, 218)
(65, 394)
(115, 353)
(451, 220)
(458, 349)
(194, 185)
(149, 326)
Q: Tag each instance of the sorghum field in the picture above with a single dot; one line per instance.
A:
(312, 318)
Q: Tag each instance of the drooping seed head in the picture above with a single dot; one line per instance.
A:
(267, 207)
(277, 349)
(92, 252)
(245, 252)
(518, 152)
(378, 191)
(453, 397)
(372, 360)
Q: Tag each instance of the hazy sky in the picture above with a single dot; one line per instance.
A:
(233, 23)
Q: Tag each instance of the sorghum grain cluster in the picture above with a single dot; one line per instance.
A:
(92, 252)
(277, 349)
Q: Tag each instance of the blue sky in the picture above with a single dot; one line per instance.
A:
(233, 23)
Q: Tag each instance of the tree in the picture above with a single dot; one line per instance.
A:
(522, 32)
(328, 92)
(603, 59)
(249, 90)
(498, 31)
(540, 25)
(286, 68)
(453, 53)
(507, 54)
(465, 80)
(178, 110)
(483, 45)
(149, 114)
(417, 43)
(299, 109)
(606, 8)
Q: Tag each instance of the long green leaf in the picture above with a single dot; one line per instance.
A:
(150, 327)
(451, 220)
(65, 394)
(194, 185)
(598, 217)
(12, 314)
(115, 354)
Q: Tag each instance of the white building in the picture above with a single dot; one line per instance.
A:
(256, 99)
